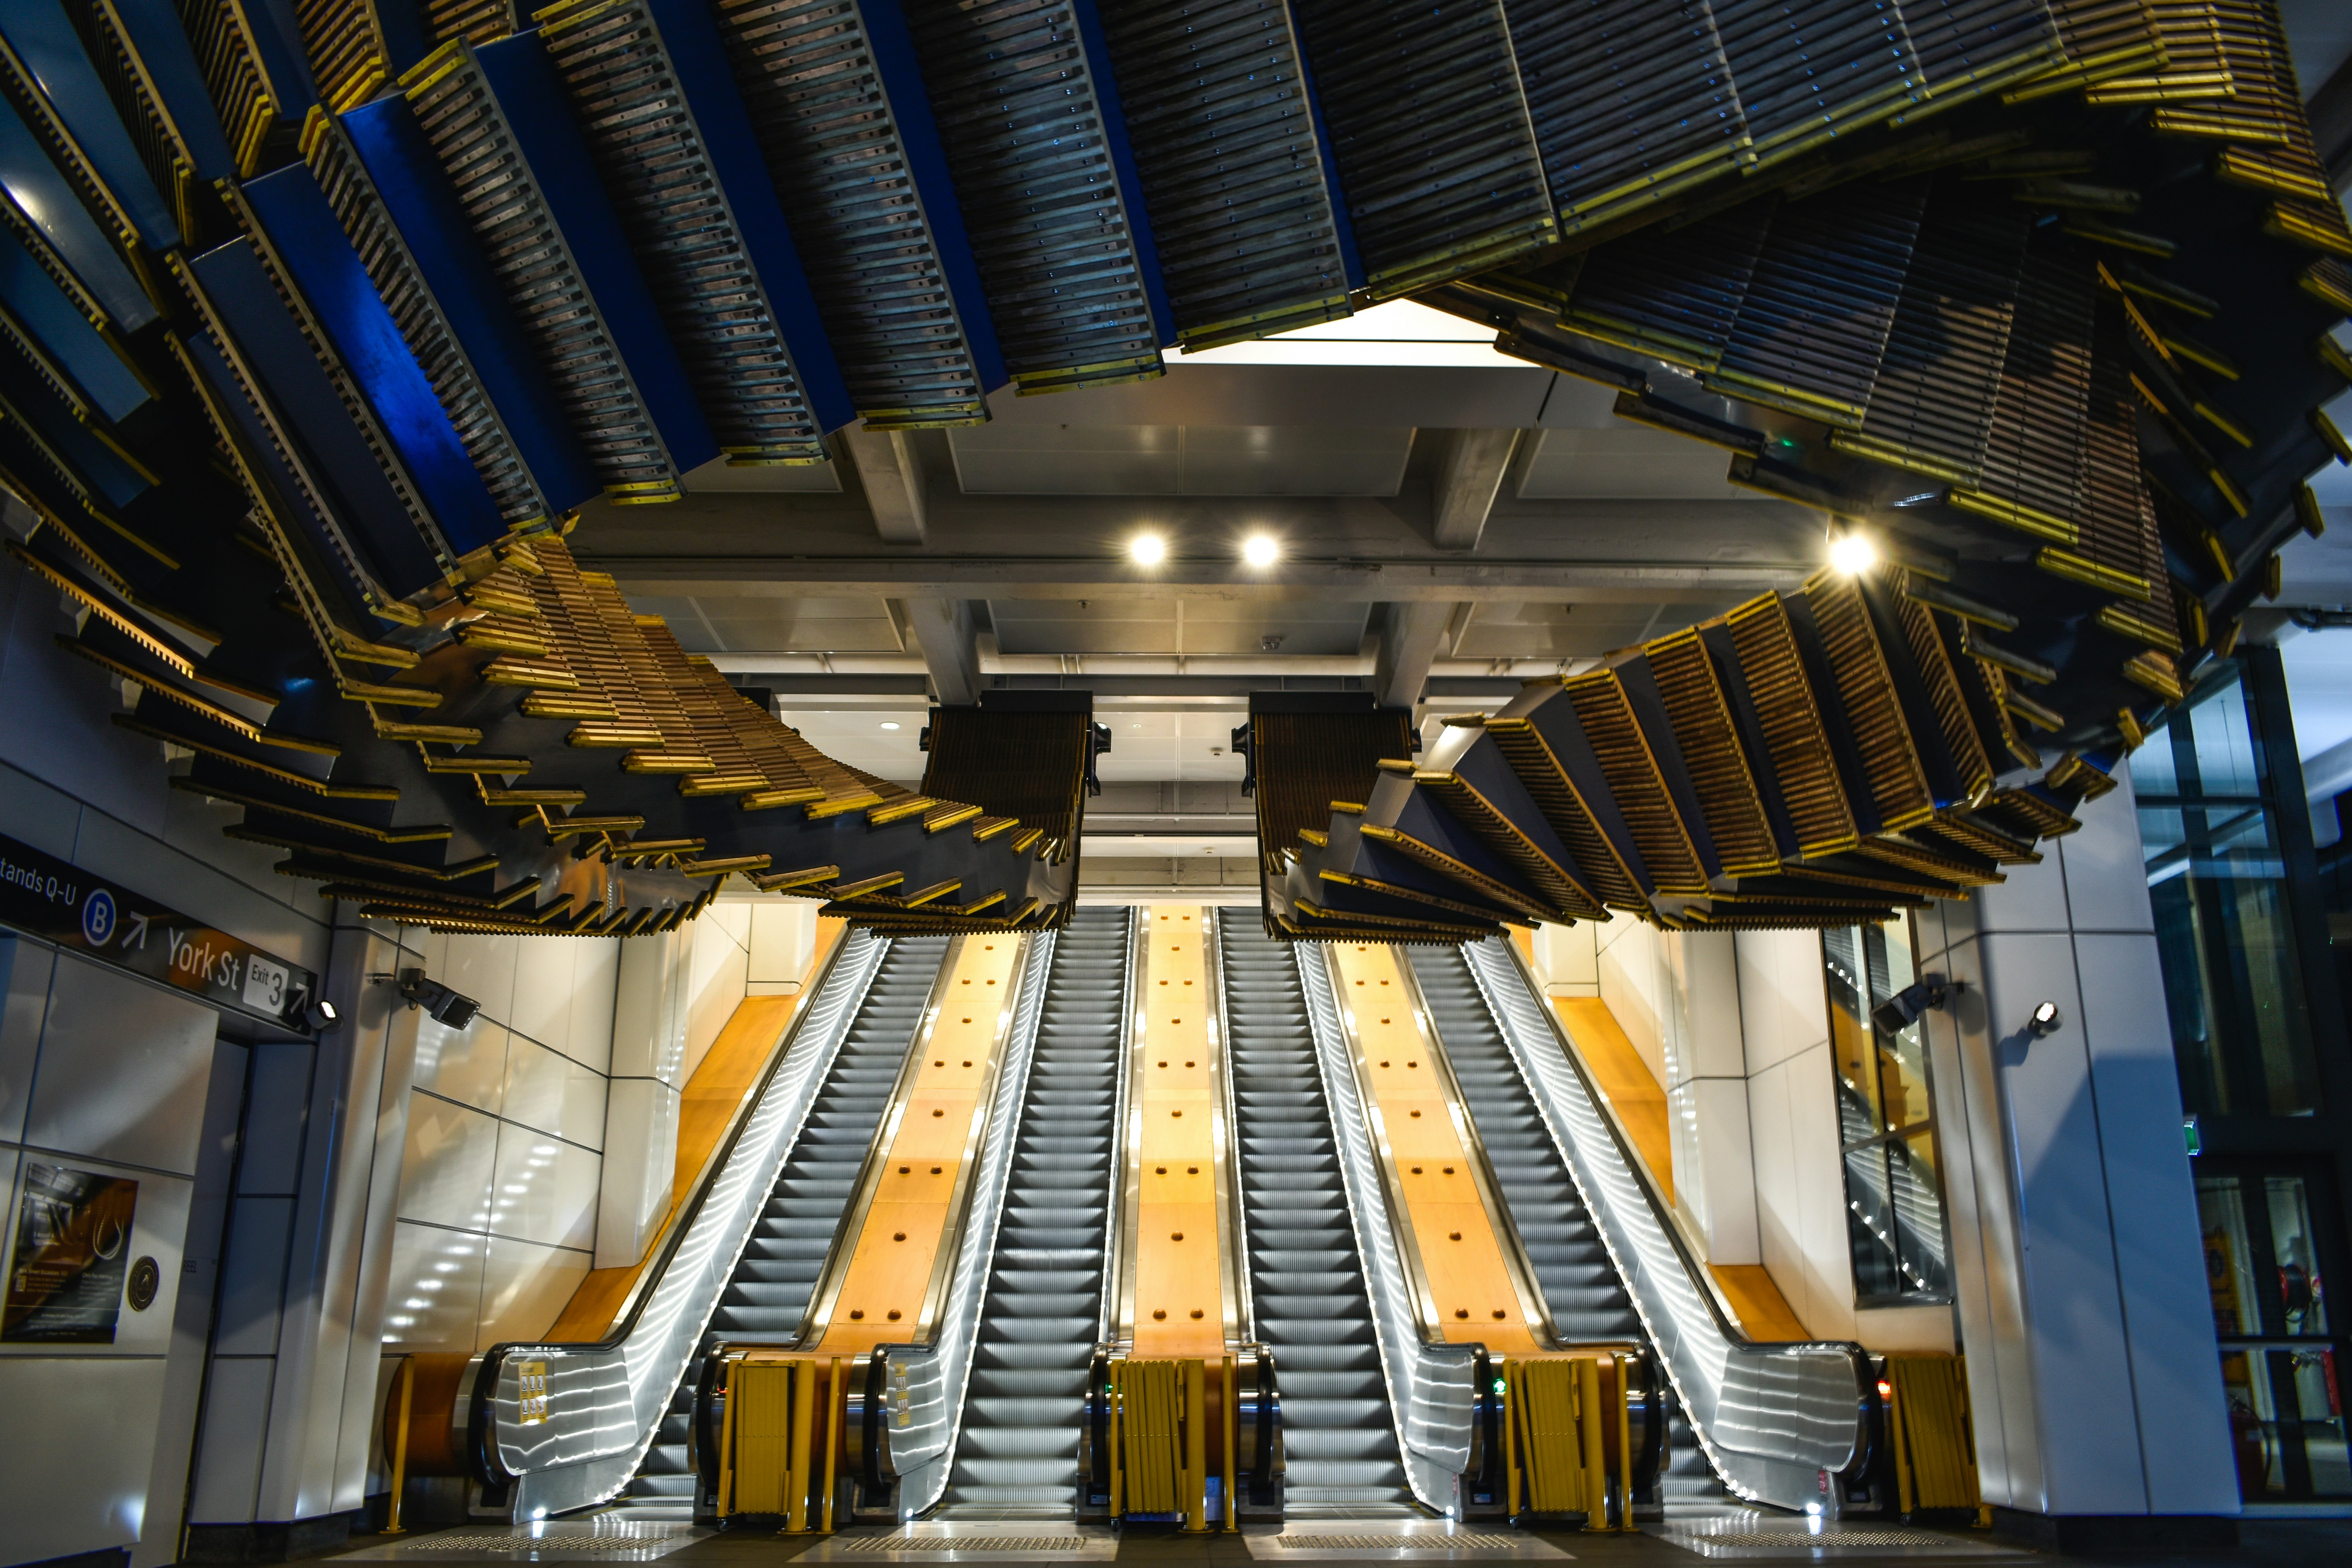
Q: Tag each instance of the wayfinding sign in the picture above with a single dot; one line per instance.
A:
(45, 897)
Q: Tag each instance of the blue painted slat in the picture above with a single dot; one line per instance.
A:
(277, 35)
(334, 581)
(153, 29)
(109, 478)
(43, 310)
(48, 201)
(518, 71)
(45, 41)
(301, 227)
(408, 179)
(366, 509)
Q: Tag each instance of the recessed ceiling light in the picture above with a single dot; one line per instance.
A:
(1260, 549)
(1147, 550)
(1854, 554)
(888, 724)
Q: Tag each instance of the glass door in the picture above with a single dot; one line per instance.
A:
(2267, 1259)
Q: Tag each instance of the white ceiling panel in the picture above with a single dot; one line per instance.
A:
(1502, 630)
(760, 623)
(782, 479)
(881, 742)
(1177, 626)
(1000, 458)
(1624, 461)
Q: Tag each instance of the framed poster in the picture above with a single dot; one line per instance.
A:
(73, 1256)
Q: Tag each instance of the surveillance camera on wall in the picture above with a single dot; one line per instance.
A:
(1902, 1010)
(448, 1008)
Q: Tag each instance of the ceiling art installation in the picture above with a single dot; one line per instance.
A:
(322, 321)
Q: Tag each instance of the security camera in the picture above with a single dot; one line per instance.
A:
(1900, 1011)
(449, 1008)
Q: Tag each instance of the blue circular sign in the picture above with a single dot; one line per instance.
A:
(98, 918)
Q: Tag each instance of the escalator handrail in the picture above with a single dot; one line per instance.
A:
(1235, 1241)
(1112, 1304)
(481, 1392)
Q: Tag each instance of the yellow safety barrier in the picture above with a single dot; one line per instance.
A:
(1935, 1446)
(1566, 1438)
(1159, 1440)
(780, 1439)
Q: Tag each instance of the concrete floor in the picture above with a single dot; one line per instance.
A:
(2263, 1543)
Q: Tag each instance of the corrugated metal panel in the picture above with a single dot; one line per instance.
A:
(1020, 117)
(628, 79)
(1225, 141)
(835, 144)
(1430, 130)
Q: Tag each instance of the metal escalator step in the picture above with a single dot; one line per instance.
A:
(1018, 1444)
(1339, 1433)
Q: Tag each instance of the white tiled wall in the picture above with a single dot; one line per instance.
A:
(506, 1132)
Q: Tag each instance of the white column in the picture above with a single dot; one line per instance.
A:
(1706, 1092)
(649, 1018)
(2080, 1273)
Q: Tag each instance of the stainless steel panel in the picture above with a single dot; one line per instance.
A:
(229, 1448)
(278, 1094)
(546, 968)
(445, 1171)
(24, 968)
(468, 1065)
(549, 1090)
(544, 1189)
(524, 1286)
(433, 1292)
(76, 1479)
(122, 1071)
(253, 1283)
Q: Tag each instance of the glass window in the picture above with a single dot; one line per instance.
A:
(2232, 984)
(1895, 1207)
(2279, 1359)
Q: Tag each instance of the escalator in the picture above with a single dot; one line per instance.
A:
(1018, 1449)
(768, 1294)
(1587, 1301)
(1339, 1434)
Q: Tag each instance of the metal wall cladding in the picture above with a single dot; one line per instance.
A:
(1250, 237)
(1430, 130)
(76, 1479)
(24, 969)
(1020, 113)
(850, 146)
(122, 1072)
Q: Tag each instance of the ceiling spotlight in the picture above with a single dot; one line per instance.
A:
(1147, 550)
(2044, 1021)
(889, 724)
(1852, 553)
(1260, 549)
